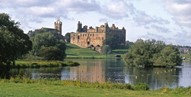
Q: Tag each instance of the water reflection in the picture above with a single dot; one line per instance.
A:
(89, 71)
(155, 77)
(185, 75)
(113, 71)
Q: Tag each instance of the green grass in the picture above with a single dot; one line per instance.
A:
(43, 63)
(119, 51)
(76, 52)
(45, 88)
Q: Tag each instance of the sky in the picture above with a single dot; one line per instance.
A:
(165, 20)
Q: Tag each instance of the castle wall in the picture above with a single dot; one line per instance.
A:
(85, 39)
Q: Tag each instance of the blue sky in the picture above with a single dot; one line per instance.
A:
(166, 20)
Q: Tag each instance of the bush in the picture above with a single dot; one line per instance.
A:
(141, 86)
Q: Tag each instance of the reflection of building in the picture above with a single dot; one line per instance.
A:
(95, 37)
(88, 73)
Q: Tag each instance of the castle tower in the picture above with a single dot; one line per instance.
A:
(79, 26)
(58, 26)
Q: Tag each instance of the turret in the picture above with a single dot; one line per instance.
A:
(58, 26)
(106, 27)
(113, 26)
(85, 28)
(79, 27)
(123, 29)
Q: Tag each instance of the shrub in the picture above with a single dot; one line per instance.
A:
(141, 86)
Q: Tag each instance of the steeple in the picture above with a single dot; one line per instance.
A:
(58, 25)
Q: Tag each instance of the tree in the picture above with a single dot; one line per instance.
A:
(13, 42)
(105, 49)
(169, 56)
(153, 53)
(48, 45)
(67, 36)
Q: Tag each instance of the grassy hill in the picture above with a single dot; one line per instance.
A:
(74, 51)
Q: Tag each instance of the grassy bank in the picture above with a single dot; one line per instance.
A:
(45, 88)
(75, 52)
(43, 63)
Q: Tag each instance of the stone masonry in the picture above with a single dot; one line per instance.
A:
(94, 37)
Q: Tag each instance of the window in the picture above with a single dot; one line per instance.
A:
(78, 37)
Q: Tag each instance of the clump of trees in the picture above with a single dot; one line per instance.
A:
(151, 53)
(13, 42)
(48, 45)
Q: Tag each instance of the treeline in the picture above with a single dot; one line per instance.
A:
(151, 53)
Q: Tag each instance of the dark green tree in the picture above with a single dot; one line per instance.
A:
(48, 45)
(67, 37)
(13, 42)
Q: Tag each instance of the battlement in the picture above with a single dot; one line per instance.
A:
(102, 28)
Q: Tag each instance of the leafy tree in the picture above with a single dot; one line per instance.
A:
(128, 44)
(153, 53)
(13, 42)
(169, 56)
(67, 37)
(48, 45)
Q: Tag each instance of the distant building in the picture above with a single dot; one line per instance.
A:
(94, 37)
(57, 29)
(184, 50)
(58, 26)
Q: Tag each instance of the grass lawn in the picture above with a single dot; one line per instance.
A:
(53, 89)
(43, 63)
(74, 51)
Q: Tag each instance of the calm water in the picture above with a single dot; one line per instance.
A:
(100, 70)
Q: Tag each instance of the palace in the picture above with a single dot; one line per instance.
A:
(95, 37)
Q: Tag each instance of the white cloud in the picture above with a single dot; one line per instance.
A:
(40, 11)
(142, 19)
(116, 9)
(180, 9)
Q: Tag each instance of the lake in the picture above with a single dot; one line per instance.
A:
(111, 70)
